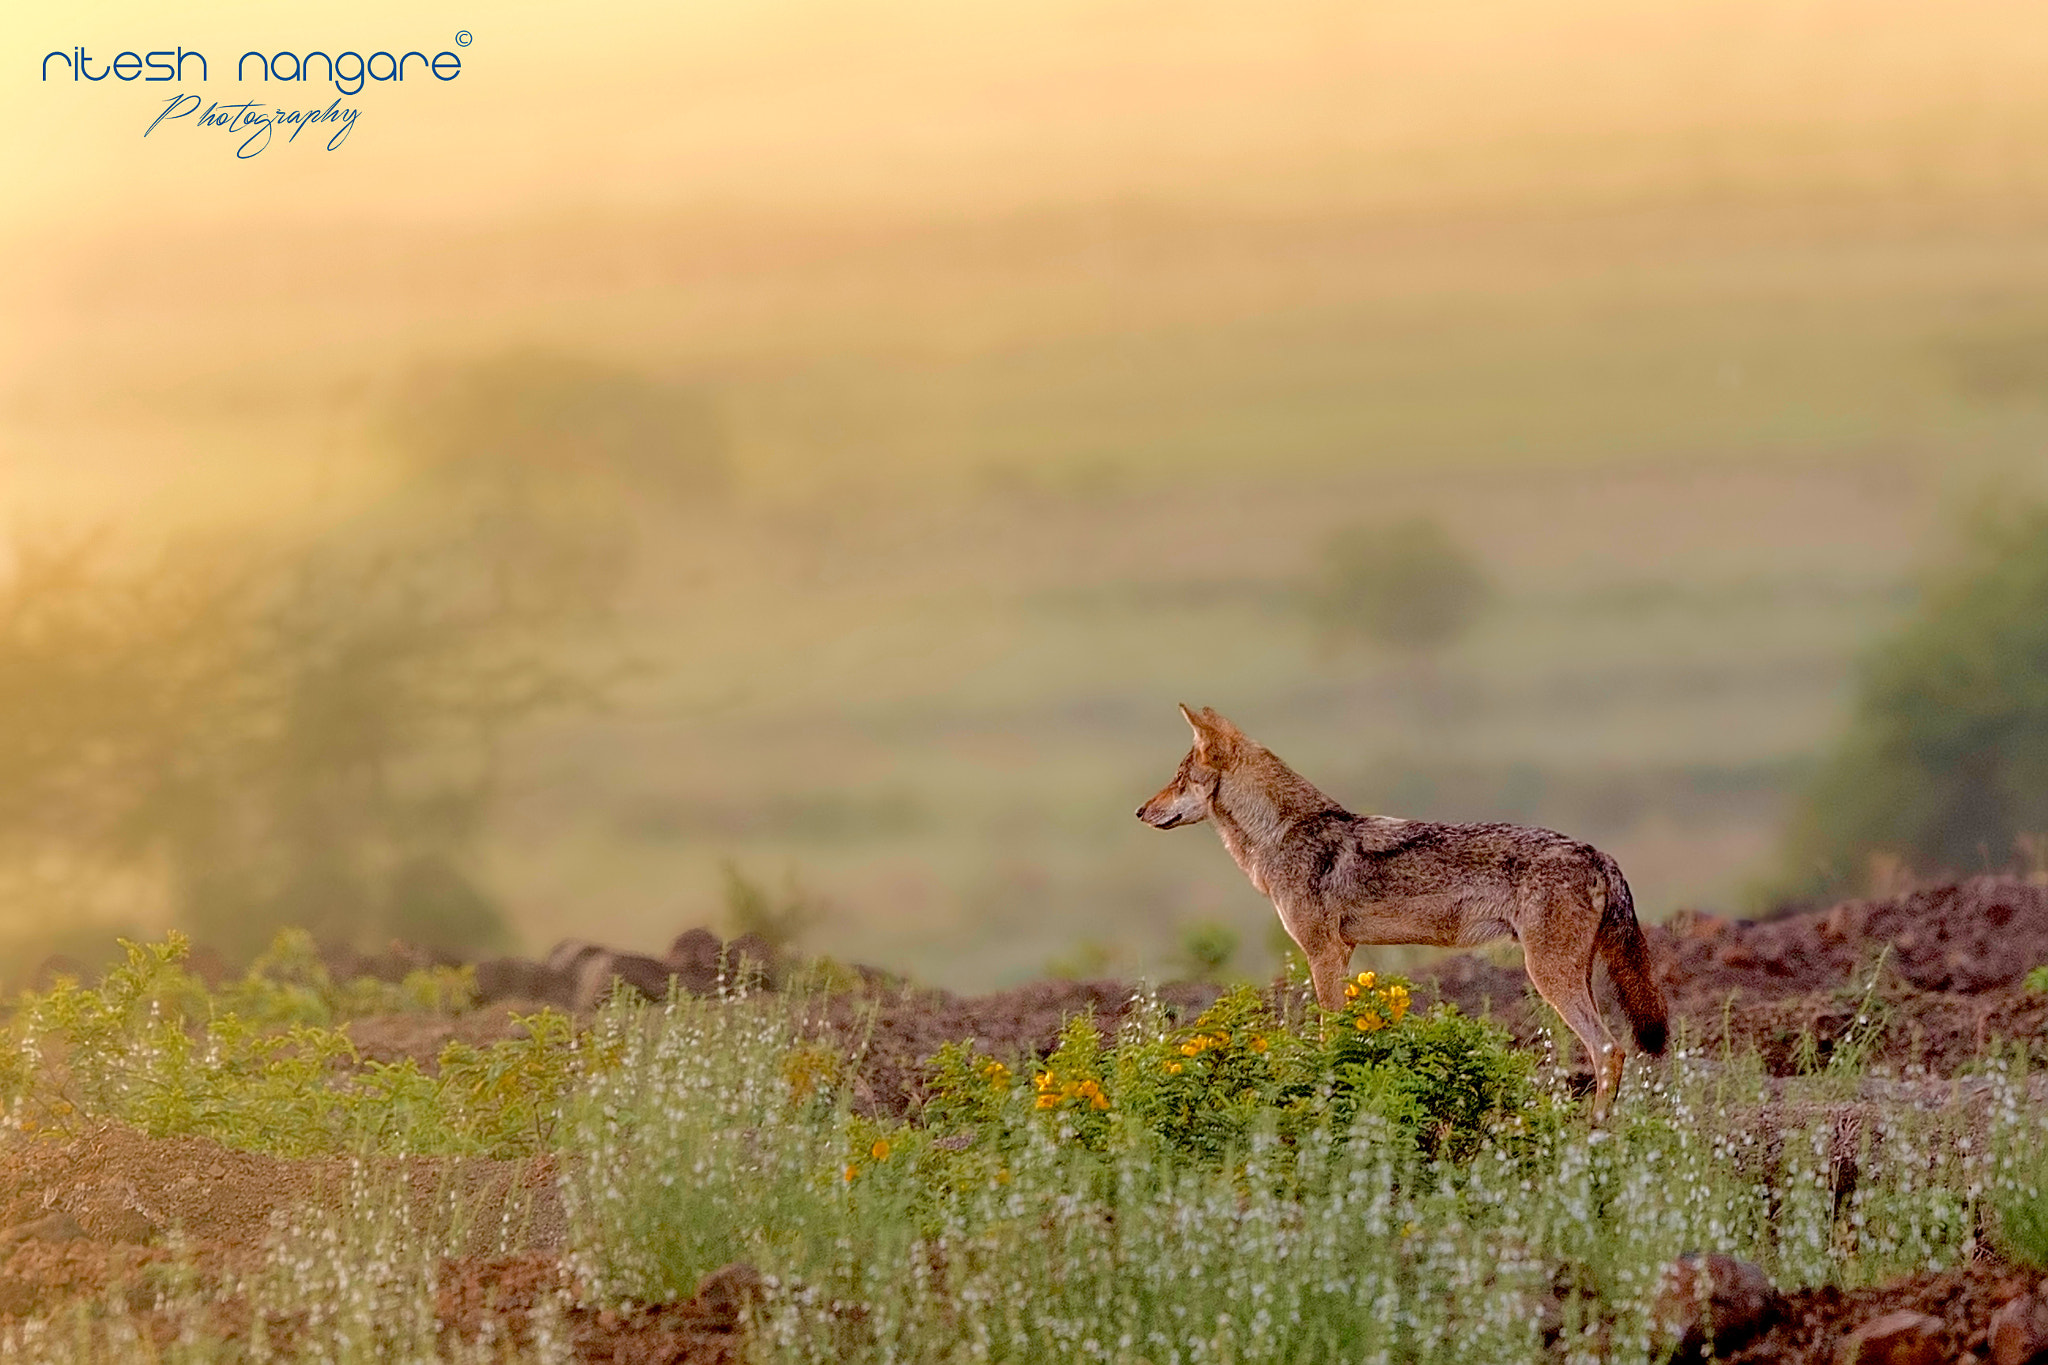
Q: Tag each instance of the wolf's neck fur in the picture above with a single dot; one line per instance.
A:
(1257, 799)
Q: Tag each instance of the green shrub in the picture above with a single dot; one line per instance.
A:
(1441, 1082)
(1945, 762)
(1404, 584)
(260, 1066)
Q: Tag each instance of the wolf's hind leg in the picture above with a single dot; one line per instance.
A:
(1561, 969)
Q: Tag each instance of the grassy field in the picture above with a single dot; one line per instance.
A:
(1007, 491)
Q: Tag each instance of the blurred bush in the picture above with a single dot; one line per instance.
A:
(1406, 584)
(1945, 764)
(753, 911)
(236, 742)
(1207, 949)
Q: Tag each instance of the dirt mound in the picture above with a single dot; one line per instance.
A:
(1951, 981)
(1953, 962)
(1975, 937)
(1814, 1322)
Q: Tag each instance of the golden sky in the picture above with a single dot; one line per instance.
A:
(966, 106)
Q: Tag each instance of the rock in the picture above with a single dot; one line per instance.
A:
(2019, 1331)
(568, 955)
(597, 973)
(1901, 1338)
(1713, 1300)
(519, 978)
(694, 957)
(727, 1295)
(392, 963)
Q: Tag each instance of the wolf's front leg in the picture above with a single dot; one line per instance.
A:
(1327, 963)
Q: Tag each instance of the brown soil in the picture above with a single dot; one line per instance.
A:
(498, 1298)
(1814, 1321)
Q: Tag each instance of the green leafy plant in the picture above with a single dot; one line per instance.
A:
(1442, 1082)
(260, 1066)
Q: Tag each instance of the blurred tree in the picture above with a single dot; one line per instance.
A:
(546, 459)
(310, 737)
(1945, 763)
(1407, 585)
(308, 741)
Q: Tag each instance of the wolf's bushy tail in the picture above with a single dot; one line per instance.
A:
(1627, 955)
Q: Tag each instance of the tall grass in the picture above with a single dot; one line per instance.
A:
(1343, 1246)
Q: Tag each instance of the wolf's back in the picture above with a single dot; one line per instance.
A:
(1627, 955)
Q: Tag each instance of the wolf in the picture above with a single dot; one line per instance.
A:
(1339, 880)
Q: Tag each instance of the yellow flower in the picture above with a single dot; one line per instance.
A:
(1369, 1021)
(1048, 1101)
(849, 1173)
(1043, 1080)
(1351, 991)
(1173, 1068)
(1190, 1049)
(1101, 1101)
(1258, 1044)
(880, 1151)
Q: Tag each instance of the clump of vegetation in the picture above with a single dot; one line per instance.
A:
(776, 921)
(1406, 585)
(266, 1063)
(1944, 768)
(1445, 1083)
(1208, 949)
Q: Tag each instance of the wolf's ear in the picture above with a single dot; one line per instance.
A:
(1208, 738)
